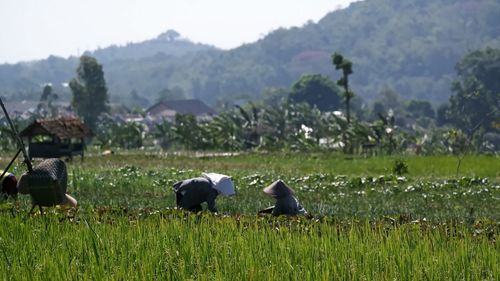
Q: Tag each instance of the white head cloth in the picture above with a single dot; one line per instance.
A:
(222, 183)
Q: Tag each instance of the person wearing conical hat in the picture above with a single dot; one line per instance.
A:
(9, 184)
(190, 193)
(286, 203)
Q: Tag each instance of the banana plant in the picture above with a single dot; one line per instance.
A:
(251, 123)
(226, 131)
(163, 133)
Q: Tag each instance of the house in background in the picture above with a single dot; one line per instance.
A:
(56, 137)
(166, 110)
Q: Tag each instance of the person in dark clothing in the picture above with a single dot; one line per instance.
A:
(9, 184)
(190, 193)
(47, 184)
(286, 203)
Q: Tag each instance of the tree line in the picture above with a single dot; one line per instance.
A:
(411, 45)
(315, 114)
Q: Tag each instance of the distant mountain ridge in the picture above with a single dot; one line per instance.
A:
(169, 43)
(410, 46)
(24, 80)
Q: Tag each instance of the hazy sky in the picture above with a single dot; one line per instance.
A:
(35, 29)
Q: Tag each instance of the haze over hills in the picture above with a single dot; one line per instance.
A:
(410, 46)
(168, 43)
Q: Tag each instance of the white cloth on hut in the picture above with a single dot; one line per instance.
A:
(221, 183)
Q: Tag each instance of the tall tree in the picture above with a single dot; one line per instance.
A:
(475, 103)
(90, 94)
(420, 108)
(317, 90)
(346, 66)
(46, 107)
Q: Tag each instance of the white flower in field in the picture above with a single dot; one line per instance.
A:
(306, 131)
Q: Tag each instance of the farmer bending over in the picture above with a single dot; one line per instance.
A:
(190, 193)
(47, 184)
(286, 203)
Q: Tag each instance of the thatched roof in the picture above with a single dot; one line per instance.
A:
(63, 128)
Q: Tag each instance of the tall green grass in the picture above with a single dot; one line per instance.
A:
(169, 246)
(297, 163)
(366, 223)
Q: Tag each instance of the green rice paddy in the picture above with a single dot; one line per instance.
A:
(365, 223)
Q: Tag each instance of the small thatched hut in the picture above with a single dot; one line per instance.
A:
(56, 137)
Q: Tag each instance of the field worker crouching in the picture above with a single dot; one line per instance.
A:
(286, 203)
(47, 184)
(190, 193)
(9, 184)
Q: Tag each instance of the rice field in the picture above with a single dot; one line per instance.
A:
(365, 223)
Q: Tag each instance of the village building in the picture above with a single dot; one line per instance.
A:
(56, 137)
(166, 110)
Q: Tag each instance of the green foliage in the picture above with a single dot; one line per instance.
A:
(7, 138)
(400, 167)
(120, 244)
(189, 132)
(90, 94)
(165, 45)
(7, 141)
(317, 90)
(110, 133)
(385, 131)
(46, 107)
(226, 131)
(274, 96)
(288, 127)
(325, 183)
(292, 127)
(475, 104)
(411, 45)
(420, 109)
(250, 121)
(458, 144)
(364, 224)
(164, 133)
(346, 67)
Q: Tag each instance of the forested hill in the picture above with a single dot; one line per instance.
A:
(169, 43)
(410, 46)
(26, 79)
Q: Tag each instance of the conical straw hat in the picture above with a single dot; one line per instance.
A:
(278, 189)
